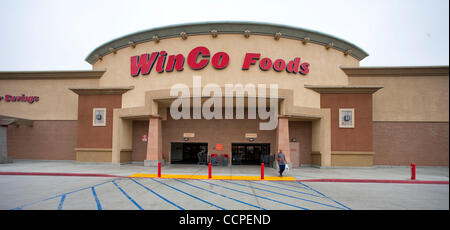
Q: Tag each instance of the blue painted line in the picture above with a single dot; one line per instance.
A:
(63, 197)
(99, 206)
(325, 196)
(168, 201)
(286, 189)
(281, 194)
(277, 201)
(53, 197)
(124, 193)
(231, 198)
(313, 189)
(198, 198)
(289, 184)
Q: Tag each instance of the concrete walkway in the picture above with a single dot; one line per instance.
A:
(382, 173)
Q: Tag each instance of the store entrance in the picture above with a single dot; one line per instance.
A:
(250, 154)
(188, 153)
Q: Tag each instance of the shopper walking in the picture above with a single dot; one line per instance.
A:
(281, 162)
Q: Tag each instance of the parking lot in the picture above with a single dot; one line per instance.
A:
(20, 192)
(70, 193)
(177, 194)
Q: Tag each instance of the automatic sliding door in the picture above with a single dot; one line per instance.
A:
(250, 154)
(188, 153)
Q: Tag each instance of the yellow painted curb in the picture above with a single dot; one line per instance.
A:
(205, 177)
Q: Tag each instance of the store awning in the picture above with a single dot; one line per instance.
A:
(14, 121)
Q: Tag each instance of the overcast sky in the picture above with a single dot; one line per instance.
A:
(59, 34)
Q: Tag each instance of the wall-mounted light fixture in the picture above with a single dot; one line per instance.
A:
(156, 38)
(247, 33)
(277, 36)
(251, 139)
(132, 44)
(306, 40)
(214, 33)
(293, 139)
(183, 35)
(329, 45)
(186, 138)
(347, 117)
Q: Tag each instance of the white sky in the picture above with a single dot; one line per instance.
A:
(59, 34)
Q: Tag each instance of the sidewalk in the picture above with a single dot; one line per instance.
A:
(381, 173)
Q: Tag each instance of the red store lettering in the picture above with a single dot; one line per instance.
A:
(199, 57)
(22, 98)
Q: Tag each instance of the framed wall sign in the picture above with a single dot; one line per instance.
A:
(99, 117)
(347, 118)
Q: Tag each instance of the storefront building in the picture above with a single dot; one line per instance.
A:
(330, 111)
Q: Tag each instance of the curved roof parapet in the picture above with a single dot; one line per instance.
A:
(215, 28)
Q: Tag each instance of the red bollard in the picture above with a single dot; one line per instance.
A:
(262, 171)
(209, 170)
(159, 169)
(413, 171)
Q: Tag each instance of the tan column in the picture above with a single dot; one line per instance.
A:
(325, 133)
(283, 137)
(154, 143)
(117, 121)
(321, 139)
(3, 144)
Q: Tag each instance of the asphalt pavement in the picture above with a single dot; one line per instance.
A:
(68, 185)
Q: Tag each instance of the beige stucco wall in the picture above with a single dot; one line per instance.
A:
(403, 98)
(56, 101)
(324, 66)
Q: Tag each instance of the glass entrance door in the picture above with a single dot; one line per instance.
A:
(188, 153)
(250, 154)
